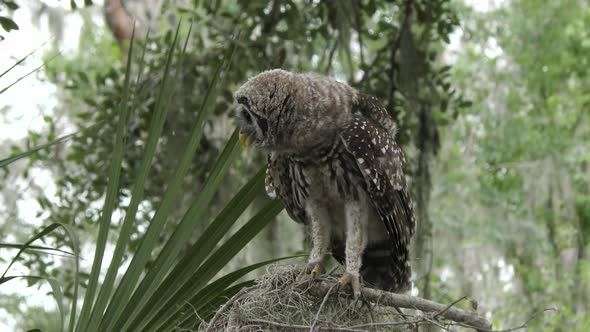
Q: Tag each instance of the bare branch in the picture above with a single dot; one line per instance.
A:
(472, 320)
(302, 327)
(520, 327)
(317, 316)
(452, 304)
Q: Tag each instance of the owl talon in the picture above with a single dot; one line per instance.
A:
(352, 280)
(315, 269)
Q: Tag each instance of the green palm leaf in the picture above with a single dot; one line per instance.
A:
(218, 260)
(111, 195)
(201, 249)
(13, 158)
(149, 298)
(154, 133)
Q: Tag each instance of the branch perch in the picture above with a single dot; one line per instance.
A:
(287, 298)
(321, 288)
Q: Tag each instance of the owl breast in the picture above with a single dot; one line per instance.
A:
(331, 181)
(330, 174)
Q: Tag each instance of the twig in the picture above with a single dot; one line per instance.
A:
(522, 326)
(201, 320)
(359, 32)
(370, 310)
(331, 54)
(434, 322)
(369, 325)
(302, 327)
(317, 315)
(227, 305)
(452, 304)
(332, 270)
(233, 318)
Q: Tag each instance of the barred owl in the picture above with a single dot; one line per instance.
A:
(333, 161)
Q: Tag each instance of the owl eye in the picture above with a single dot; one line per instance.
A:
(246, 116)
(263, 125)
(244, 101)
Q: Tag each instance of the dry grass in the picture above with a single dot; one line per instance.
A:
(281, 301)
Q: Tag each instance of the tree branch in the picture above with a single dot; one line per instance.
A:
(321, 288)
(290, 285)
(392, 46)
(395, 47)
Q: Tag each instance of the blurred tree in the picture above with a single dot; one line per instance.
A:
(516, 192)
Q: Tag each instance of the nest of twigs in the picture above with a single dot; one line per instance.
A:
(286, 299)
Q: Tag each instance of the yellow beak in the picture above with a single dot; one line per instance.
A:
(244, 139)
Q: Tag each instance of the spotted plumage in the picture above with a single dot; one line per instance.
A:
(333, 161)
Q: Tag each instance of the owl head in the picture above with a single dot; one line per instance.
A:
(282, 111)
(259, 102)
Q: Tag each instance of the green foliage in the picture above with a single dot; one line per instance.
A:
(111, 195)
(507, 134)
(98, 310)
(296, 35)
(7, 23)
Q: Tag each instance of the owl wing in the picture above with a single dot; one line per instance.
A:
(370, 107)
(284, 179)
(269, 185)
(380, 160)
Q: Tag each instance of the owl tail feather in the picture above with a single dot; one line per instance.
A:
(386, 268)
(383, 267)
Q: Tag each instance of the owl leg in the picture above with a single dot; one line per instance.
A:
(320, 237)
(356, 241)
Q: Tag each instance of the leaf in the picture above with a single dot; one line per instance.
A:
(465, 104)
(21, 60)
(19, 246)
(154, 132)
(37, 236)
(149, 240)
(111, 194)
(54, 284)
(11, 159)
(219, 259)
(207, 241)
(76, 248)
(444, 69)
(8, 24)
(11, 5)
(28, 74)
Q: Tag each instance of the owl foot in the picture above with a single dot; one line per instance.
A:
(353, 280)
(315, 269)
